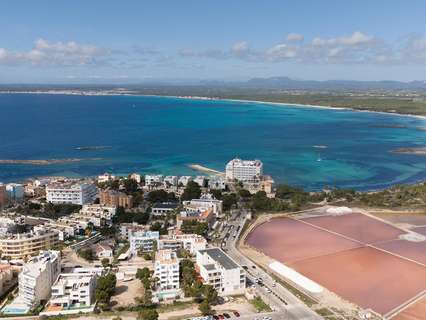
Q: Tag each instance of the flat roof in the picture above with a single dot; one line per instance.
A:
(221, 257)
(167, 205)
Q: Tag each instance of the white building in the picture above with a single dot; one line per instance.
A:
(184, 180)
(72, 291)
(162, 209)
(190, 242)
(37, 277)
(72, 193)
(97, 212)
(166, 269)
(153, 179)
(103, 250)
(143, 240)
(217, 183)
(171, 181)
(219, 270)
(15, 191)
(136, 176)
(106, 177)
(244, 170)
(7, 225)
(206, 201)
(200, 180)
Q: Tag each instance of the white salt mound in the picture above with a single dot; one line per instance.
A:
(339, 210)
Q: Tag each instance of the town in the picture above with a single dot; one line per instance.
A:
(136, 243)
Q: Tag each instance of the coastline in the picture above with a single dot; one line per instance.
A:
(204, 98)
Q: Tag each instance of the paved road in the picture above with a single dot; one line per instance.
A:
(282, 301)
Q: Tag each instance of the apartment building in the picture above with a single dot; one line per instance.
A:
(22, 245)
(201, 181)
(15, 192)
(217, 183)
(243, 170)
(162, 209)
(166, 269)
(170, 181)
(219, 270)
(153, 180)
(36, 279)
(184, 180)
(7, 225)
(97, 214)
(7, 278)
(143, 241)
(114, 198)
(106, 177)
(190, 242)
(72, 291)
(136, 176)
(206, 201)
(71, 193)
(200, 215)
(127, 228)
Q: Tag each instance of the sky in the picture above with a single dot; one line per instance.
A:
(127, 41)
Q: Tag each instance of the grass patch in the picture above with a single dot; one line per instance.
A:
(324, 312)
(260, 305)
(177, 305)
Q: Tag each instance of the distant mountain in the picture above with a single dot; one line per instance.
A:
(292, 84)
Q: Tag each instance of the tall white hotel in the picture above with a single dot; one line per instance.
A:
(244, 170)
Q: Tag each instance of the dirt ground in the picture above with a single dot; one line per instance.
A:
(126, 292)
(239, 304)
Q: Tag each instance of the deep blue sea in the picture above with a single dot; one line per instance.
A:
(164, 135)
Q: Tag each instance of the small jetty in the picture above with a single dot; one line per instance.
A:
(200, 168)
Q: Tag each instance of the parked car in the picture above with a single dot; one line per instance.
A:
(221, 317)
(227, 316)
(215, 317)
(236, 313)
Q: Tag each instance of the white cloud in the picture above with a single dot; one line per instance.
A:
(357, 38)
(294, 37)
(280, 52)
(54, 53)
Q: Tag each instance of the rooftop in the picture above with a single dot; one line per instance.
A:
(168, 205)
(220, 257)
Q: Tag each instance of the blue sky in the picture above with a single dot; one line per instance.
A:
(131, 41)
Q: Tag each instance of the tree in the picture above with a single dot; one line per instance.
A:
(148, 314)
(143, 273)
(286, 192)
(86, 254)
(210, 294)
(244, 193)
(105, 263)
(147, 298)
(217, 194)
(192, 191)
(193, 226)
(205, 308)
(229, 200)
(105, 288)
(158, 196)
(130, 185)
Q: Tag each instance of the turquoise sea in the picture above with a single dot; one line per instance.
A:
(164, 135)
